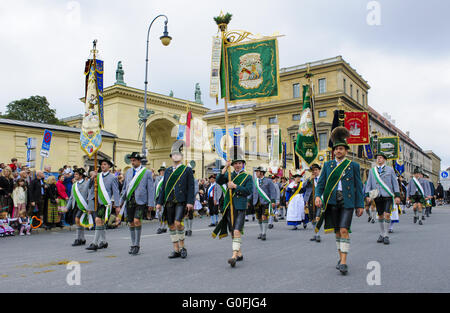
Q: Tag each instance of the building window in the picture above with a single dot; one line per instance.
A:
(296, 88)
(253, 144)
(345, 85)
(364, 99)
(322, 113)
(273, 120)
(322, 85)
(323, 141)
(296, 117)
(351, 90)
(357, 95)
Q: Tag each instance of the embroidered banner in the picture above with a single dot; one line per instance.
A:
(358, 125)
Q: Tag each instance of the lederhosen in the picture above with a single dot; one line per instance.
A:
(134, 210)
(383, 205)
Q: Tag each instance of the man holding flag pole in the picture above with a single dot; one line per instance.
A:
(382, 178)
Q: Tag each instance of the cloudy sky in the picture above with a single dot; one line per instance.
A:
(406, 59)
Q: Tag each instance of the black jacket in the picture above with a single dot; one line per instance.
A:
(7, 185)
(34, 191)
(184, 188)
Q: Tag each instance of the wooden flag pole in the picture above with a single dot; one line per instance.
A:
(227, 144)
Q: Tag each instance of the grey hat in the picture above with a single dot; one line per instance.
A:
(177, 147)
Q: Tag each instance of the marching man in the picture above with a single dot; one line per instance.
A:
(241, 186)
(340, 191)
(177, 197)
(264, 196)
(158, 183)
(78, 201)
(418, 191)
(383, 179)
(108, 196)
(137, 196)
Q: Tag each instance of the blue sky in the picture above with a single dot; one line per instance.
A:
(406, 59)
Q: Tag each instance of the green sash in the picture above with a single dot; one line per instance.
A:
(419, 187)
(103, 196)
(158, 188)
(222, 227)
(86, 219)
(172, 181)
(332, 182)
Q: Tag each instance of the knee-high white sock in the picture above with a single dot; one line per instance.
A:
(271, 219)
(345, 245)
(260, 226)
(381, 222)
(386, 227)
(265, 224)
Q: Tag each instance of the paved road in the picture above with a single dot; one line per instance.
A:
(416, 261)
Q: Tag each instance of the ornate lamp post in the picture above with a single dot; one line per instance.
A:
(165, 40)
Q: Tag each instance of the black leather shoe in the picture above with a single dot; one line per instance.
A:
(240, 258)
(318, 238)
(232, 262)
(77, 242)
(368, 221)
(263, 237)
(343, 268)
(380, 239)
(135, 250)
(131, 250)
(183, 253)
(186, 233)
(420, 223)
(159, 231)
(92, 247)
(164, 230)
(423, 218)
(259, 236)
(174, 255)
(391, 231)
(270, 226)
(190, 233)
(82, 241)
(211, 225)
(373, 221)
(386, 240)
(305, 225)
(313, 238)
(103, 245)
(339, 263)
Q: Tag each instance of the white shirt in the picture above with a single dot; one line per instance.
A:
(339, 187)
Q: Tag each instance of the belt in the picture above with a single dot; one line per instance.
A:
(339, 196)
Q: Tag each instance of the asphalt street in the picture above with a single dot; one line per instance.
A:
(415, 261)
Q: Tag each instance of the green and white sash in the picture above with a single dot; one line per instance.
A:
(263, 194)
(86, 219)
(103, 196)
(382, 183)
(158, 188)
(419, 187)
(134, 183)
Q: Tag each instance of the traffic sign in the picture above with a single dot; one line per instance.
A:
(444, 174)
(31, 155)
(46, 141)
(31, 143)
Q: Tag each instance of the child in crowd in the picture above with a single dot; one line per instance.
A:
(25, 223)
(5, 229)
(19, 196)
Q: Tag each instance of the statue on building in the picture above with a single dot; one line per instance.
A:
(198, 94)
(119, 74)
(171, 93)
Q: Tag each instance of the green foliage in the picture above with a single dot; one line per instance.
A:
(223, 19)
(34, 109)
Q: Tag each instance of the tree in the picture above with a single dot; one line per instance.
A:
(34, 109)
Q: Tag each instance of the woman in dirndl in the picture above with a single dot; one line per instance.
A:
(295, 202)
(62, 198)
(51, 195)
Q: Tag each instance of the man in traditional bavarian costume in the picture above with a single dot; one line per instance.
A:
(340, 190)
(382, 178)
(308, 190)
(240, 187)
(295, 203)
(158, 183)
(138, 196)
(213, 194)
(275, 213)
(78, 202)
(418, 192)
(264, 196)
(177, 196)
(283, 187)
(108, 197)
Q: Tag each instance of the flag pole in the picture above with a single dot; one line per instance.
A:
(94, 51)
(227, 144)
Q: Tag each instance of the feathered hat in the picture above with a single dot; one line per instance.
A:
(339, 137)
(177, 147)
(236, 155)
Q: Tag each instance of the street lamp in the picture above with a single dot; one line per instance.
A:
(165, 40)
